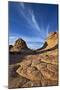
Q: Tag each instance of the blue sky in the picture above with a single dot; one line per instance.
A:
(32, 22)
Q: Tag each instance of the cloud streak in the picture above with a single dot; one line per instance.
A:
(35, 23)
(29, 16)
(33, 43)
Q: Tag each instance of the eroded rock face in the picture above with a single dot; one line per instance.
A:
(52, 39)
(19, 45)
(51, 42)
(32, 84)
(40, 69)
(36, 69)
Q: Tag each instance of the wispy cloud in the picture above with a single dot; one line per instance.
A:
(33, 43)
(30, 17)
(22, 5)
(27, 39)
(47, 30)
(35, 23)
(28, 14)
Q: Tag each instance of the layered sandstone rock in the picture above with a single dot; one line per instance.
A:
(18, 46)
(38, 69)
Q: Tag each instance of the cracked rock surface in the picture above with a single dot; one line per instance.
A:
(36, 69)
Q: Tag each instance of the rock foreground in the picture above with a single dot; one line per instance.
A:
(38, 69)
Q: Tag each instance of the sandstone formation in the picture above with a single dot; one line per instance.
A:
(38, 69)
(52, 39)
(18, 46)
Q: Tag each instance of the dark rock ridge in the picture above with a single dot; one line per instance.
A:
(10, 46)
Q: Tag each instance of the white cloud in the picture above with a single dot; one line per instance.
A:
(33, 43)
(13, 38)
(35, 22)
(47, 30)
(29, 16)
(22, 4)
